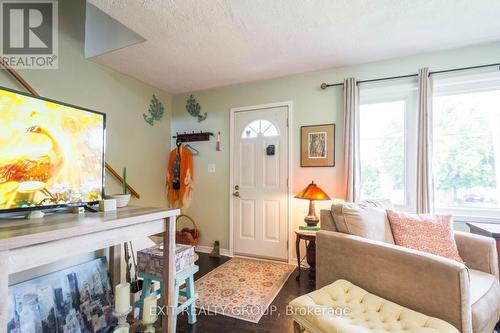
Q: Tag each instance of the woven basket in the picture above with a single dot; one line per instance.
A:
(188, 236)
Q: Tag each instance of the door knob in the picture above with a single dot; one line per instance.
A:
(236, 194)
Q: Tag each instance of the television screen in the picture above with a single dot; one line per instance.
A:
(51, 153)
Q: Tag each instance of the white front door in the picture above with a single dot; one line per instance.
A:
(260, 189)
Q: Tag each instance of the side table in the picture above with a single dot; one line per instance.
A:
(489, 230)
(310, 238)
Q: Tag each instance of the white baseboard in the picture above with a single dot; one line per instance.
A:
(226, 253)
(208, 249)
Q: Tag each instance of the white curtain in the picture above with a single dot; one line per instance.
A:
(424, 150)
(351, 140)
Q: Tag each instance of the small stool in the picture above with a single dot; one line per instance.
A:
(186, 277)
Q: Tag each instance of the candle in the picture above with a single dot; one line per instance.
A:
(122, 298)
(150, 311)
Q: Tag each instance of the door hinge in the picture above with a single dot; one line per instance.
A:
(287, 185)
(287, 124)
(287, 244)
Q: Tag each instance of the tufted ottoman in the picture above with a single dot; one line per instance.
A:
(342, 307)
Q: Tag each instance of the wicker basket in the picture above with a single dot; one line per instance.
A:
(187, 236)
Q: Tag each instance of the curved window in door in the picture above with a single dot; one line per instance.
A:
(259, 127)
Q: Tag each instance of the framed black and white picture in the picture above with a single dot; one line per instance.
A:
(317, 146)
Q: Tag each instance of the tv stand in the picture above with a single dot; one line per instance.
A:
(35, 214)
(25, 244)
(89, 209)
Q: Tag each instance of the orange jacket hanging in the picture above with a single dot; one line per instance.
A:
(180, 197)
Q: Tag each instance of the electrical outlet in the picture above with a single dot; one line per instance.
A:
(211, 168)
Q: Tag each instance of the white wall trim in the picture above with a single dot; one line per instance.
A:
(475, 219)
(226, 253)
(477, 215)
(232, 111)
(208, 249)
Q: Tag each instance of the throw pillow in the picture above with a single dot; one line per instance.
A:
(426, 232)
(367, 219)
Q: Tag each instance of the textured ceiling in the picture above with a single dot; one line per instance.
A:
(199, 44)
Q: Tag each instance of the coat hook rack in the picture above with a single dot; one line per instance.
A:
(190, 137)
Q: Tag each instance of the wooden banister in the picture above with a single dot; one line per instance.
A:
(32, 91)
(120, 178)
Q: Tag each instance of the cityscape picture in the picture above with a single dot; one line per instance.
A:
(73, 300)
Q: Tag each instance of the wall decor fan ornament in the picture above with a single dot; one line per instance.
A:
(194, 109)
(156, 111)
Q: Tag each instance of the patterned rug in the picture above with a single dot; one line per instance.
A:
(241, 288)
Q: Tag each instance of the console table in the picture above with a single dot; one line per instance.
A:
(25, 244)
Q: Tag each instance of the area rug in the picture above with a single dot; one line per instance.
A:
(241, 288)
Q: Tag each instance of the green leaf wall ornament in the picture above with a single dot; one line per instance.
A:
(156, 111)
(194, 109)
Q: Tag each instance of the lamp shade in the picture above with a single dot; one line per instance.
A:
(312, 192)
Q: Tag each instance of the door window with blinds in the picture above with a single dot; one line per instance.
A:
(388, 141)
(466, 143)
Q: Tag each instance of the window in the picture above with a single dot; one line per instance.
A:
(382, 150)
(466, 144)
(387, 143)
(259, 127)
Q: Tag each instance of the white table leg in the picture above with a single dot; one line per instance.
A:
(169, 274)
(4, 291)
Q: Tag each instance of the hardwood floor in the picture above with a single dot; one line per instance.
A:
(275, 322)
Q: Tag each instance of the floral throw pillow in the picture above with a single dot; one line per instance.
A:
(432, 233)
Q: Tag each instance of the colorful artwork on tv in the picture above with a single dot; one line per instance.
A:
(50, 153)
(76, 300)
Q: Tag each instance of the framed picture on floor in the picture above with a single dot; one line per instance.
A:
(317, 146)
(75, 299)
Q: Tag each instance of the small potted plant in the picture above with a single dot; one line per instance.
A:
(121, 199)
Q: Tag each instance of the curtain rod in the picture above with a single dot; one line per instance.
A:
(325, 85)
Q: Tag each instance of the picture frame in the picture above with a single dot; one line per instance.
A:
(74, 299)
(317, 145)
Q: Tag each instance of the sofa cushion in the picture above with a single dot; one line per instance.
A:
(425, 232)
(366, 219)
(326, 220)
(485, 300)
(343, 307)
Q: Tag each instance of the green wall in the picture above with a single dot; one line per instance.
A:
(130, 141)
(311, 105)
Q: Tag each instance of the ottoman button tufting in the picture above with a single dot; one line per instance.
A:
(364, 311)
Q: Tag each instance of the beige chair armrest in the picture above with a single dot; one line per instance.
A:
(326, 220)
(478, 252)
(435, 286)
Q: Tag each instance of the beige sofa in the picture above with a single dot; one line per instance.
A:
(468, 297)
